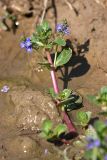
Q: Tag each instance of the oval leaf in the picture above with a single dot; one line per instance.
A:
(63, 57)
(82, 118)
(47, 126)
(61, 128)
(60, 41)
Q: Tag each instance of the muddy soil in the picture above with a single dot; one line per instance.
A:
(27, 104)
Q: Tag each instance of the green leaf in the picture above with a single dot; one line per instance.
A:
(49, 46)
(60, 128)
(64, 94)
(91, 132)
(40, 44)
(36, 41)
(63, 57)
(39, 29)
(45, 25)
(88, 155)
(83, 117)
(60, 41)
(52, 93)
(103, 90)
(89, 115)
(99, 126)
(92, 99)
(47, 126)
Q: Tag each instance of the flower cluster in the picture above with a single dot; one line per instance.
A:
(62, 28)
(92, 143)
(26, 44)
(5, 89)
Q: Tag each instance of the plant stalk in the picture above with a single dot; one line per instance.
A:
(64, 115)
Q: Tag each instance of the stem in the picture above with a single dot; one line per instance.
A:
(56, 90)
(55, 59)
(53, 77)
(55, 55)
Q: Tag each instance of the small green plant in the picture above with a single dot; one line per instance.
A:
(83, 118)
(96, 148)
(46, 42)
(67, 99)
(51, 133)
(100, 99)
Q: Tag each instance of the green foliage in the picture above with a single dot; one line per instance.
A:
(47, 126)
(100, 99)
(99, 131)
(63, 57)
(68, 100)
(93, 99)
(83, 117)
(40, 38)
(59, 129)
(59, 41)
(43, 38)
(51, 133)
(64, 95)
(52, 93)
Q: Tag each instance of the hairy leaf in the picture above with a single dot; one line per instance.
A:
(60, 41)
(63, 57)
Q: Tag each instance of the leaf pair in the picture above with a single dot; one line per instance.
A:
(51, 133)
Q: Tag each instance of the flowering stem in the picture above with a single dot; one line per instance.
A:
(66, 119)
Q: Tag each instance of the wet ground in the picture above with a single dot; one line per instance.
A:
(26, 104)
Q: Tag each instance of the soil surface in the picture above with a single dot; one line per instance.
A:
(27, 104)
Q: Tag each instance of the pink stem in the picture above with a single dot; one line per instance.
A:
(53, 77)
(56, 89)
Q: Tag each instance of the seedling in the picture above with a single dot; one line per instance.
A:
(51, 133)
(100, 99)
(45, 41)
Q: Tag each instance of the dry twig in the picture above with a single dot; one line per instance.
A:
(44, 10)
(69, 4)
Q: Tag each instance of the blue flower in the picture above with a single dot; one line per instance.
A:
(105, 157)
(26, 44)
(5, 89)
(92, 143)
(22, 44)
(63, 28)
